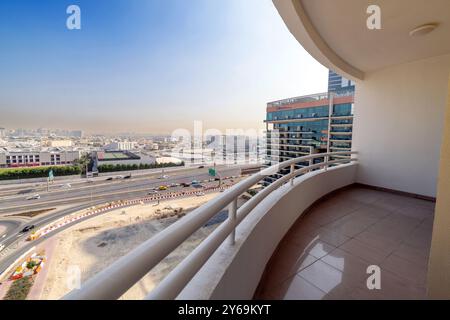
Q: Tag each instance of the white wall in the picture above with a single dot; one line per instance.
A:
(398, 125)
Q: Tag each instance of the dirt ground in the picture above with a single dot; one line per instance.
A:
(96, 243)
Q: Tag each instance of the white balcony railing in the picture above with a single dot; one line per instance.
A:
(115, 280)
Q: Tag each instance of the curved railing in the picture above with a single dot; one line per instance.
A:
(115, 280)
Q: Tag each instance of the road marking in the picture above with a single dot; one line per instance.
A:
(79, 198)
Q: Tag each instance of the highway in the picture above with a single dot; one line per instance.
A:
(81, 196)
(10, 240)
(104, 190)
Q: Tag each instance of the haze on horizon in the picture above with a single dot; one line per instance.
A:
(148, 66)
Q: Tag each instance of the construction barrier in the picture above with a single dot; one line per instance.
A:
(50, 228)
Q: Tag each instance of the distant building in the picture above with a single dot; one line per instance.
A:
(120, 146)
(76, 134)
(60, 143)
(336, 82)
(2, 132)
(122, 157)
(310, 124)
(17, 158)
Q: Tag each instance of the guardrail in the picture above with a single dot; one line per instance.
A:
(115, 280)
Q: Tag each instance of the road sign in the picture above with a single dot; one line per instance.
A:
(212, 172)
(50, 175)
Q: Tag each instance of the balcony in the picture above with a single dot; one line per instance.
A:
(206, 271)
(326, 253)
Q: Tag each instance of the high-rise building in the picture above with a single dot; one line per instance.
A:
(336, 82)
(311, 124)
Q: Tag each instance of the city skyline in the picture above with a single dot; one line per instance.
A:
(148, 67)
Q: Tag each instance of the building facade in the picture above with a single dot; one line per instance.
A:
(311, 124)
(336, 82)
(36, 158)
(120, 146)
(121, 158)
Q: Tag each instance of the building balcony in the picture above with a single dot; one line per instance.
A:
(311, 233)
(341, 125)
(336, 133)
(301, 119)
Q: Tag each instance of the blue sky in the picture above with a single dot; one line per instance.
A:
(148, 65)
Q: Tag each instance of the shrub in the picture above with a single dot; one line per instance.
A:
(38, 172)
(19, 289)
(131, 167)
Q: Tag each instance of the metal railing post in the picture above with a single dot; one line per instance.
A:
(292, 171)
(232, 214)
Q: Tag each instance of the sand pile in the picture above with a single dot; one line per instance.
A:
(96, 243)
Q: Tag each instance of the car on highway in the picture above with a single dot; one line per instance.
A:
(165, 176)
(109, 179)
(200, 194)
(201, 167)
(28, 228)
(197, 185)
(185, 184)
(33, 197)
(162, 188)
(66, 186)
(127, 177)
(2, 246)
(173, 185)
(152, 192)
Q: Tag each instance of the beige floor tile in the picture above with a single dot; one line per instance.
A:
(286, 264)
(354, 269)
(318, 248)
(326, 253)
(385, 243)
(363, 251)
(351, 225)
(297, 288)
(416, 212)
(411, 272)
(322, 276)
(418, 256)
(334, 238)
(392, 288)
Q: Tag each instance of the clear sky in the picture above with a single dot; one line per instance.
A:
(148, 66)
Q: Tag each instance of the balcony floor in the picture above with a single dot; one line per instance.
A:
(326, 253)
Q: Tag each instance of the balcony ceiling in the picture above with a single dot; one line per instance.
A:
(335, 32)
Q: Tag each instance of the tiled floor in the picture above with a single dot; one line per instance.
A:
(326, 253)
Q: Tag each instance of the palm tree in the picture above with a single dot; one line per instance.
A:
(83, 162)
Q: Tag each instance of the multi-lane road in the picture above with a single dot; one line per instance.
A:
(101, 190)
(80, 195)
